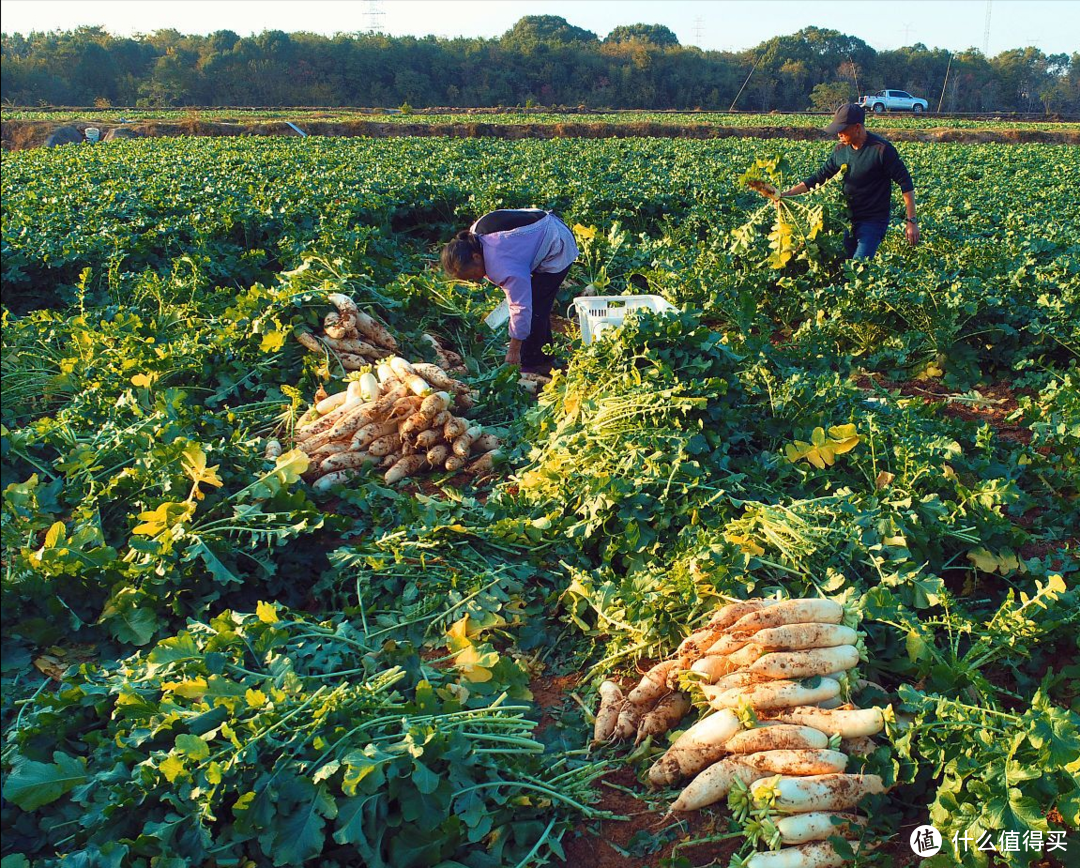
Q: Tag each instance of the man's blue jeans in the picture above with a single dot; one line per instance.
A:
(864, 238)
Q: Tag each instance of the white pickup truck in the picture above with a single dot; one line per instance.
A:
(893, 100)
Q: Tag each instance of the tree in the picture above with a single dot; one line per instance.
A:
(533, 30)
(653, 34)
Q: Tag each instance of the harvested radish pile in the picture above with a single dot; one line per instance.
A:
(401, 417)
(352, 337)
(777, 733)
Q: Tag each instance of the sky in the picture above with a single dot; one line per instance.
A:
(728, 25)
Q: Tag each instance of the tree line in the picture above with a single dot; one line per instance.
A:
(541, 61)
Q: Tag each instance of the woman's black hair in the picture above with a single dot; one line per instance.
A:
(457, 255)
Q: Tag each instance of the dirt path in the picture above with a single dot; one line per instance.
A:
(17, 135)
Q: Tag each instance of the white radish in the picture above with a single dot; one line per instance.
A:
(402, 368)
(310, 342)
(820, 854)
(454, 463)
(374, 330)
(435, 403)
(746, 655)
(729, 643)
(607, 715)
(454, 428)
(386, 445)
(346, 307)
(713, 667)
(437, 455)
(272, 450)
(370, 432)
(332, 403)
(820, 761)
(325, 483)
(404, 467)
(653, 684)
(369, 387)
(773, 694)
(629, 717)
(667, 712)
(386, 374)
(699, 746)
(727, 615)
(437, 376)
(429, 439)
(485, 443)
(852, 723)
(463, 444)
(346, 461)
(783, 736)
(818, 826)
(803, 664)
(801, 611)
(485, 463)
(714, 784)
(355, 347)
(830, 792)
(417, 385)
(799, 637)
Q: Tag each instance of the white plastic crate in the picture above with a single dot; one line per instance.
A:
(596, 313)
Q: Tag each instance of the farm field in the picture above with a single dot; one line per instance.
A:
(889, 120)
(208, 661)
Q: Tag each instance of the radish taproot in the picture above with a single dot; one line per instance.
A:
(462, 445)
(713, 667)
(663, 717)
(817, 826)
(773, 694)
(800, 637)
(454, 463)
(804, 664)
(698, 747)
(828, 792)
(714, 784)
(653, 683)
(728, 615)
(374, 330)
(820, 854)
(626, 724)
(607, 715)
(783, 736)
(819, 761)
(405, 467)
(799, 611)
(485, 463)
(848, 723)
(346, 461)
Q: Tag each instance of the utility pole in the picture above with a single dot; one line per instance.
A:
(699, 31)
(375, 16)
(986, 31)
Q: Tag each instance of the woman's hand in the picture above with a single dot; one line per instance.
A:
(513, 352)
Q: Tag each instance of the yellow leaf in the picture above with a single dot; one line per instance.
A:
(585, 233)
(213, 774)
(172, 767)
(191, 688)
(272, 342)
(255, 698)
(167, 515)
(291, 465)
(266, 612)
(143, 381)
(193, 460)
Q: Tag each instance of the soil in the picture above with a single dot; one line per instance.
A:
(17, 135)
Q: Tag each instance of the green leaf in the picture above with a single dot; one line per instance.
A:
(301, 837)
(193, 747)
(33, 784)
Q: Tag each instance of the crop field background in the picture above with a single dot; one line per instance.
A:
(207, 663)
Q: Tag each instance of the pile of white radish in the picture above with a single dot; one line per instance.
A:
(353, 337)
(400, 417)
(786, 662)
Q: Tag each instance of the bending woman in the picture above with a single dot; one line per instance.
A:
(527, 252)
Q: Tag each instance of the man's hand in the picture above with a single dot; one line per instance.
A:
(513, 352)
(764, 189)
(912, 231)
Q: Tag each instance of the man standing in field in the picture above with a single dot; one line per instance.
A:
(872, 166)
